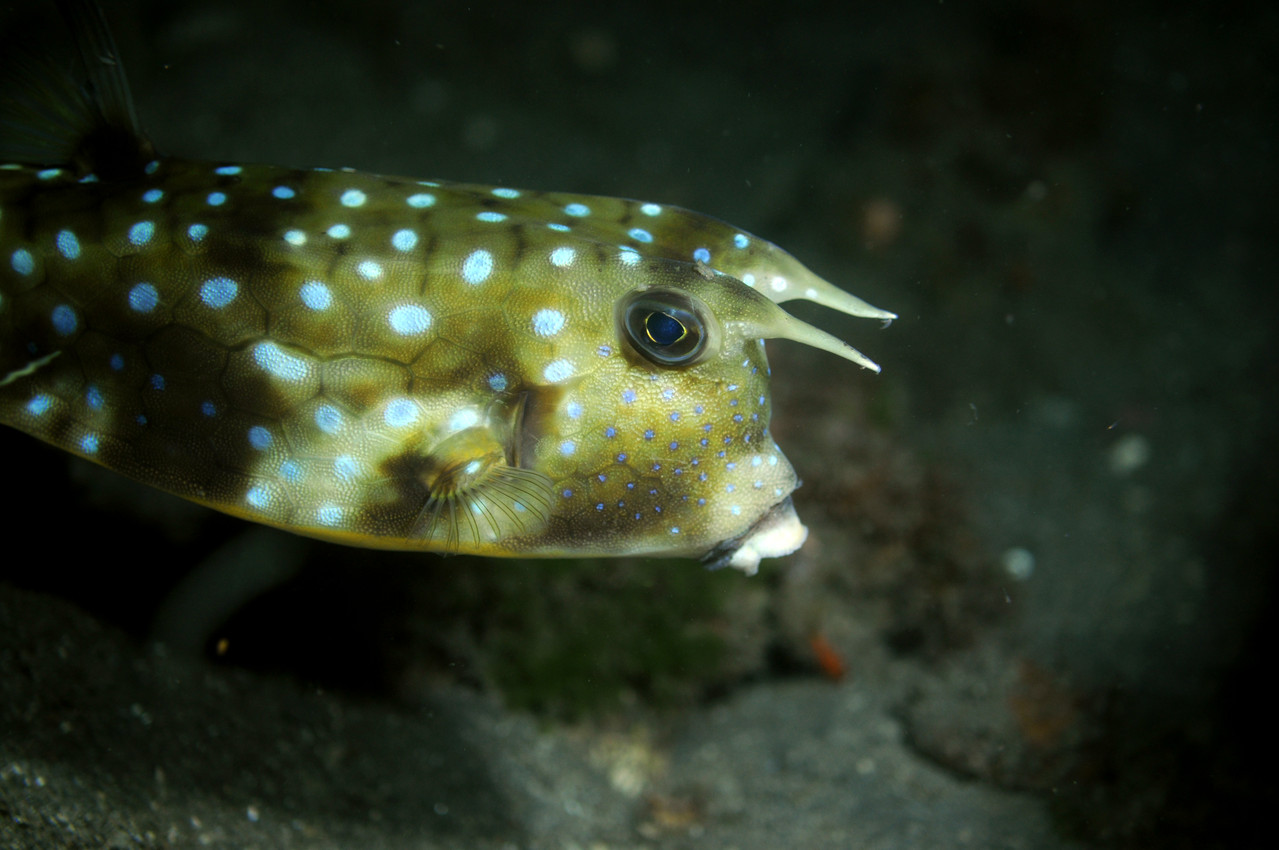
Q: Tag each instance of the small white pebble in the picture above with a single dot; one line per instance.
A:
(1019, 563)
(1129, 453)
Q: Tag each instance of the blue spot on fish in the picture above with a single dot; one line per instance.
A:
(347, 468)
(404, 240)
(280, 363)
(259, 497)
(22, 261)
(68, 244)
(477, 267)
(558, 370)
(316, 295)
(400, 413)
(143, 298)
(548, 322)
(218, 292)
(141, 233)
(410, 319)
(328, 419)
(65, 320)
(260, 438)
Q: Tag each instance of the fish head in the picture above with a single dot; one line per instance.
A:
(660, 443)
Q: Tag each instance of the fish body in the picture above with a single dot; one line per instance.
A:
(406, 364)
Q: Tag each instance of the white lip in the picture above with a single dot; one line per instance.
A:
(779, 532)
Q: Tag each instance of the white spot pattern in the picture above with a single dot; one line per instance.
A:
(280, 363)
(400, 413)
(558, 370)
(218, 292)
(141, 232)
(143, 298)
(404, 240)
(548, 322)
(477, 266)
(68, 244)
(409, 319)
(316, 295)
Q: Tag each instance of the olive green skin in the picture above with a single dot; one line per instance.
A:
(397, 363)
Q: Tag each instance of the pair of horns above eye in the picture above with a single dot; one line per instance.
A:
(675, 329)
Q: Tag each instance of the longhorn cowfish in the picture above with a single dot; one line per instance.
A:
(388, 362)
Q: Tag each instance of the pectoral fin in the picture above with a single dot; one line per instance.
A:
(476, 495)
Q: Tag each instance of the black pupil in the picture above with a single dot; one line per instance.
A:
(663, 328)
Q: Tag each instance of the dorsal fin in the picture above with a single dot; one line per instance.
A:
(79, 116)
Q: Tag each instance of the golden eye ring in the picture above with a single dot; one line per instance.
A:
(663, 329)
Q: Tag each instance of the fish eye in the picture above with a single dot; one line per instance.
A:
(666, 327)
(663, 329)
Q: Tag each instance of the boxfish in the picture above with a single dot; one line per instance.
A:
(389, 362)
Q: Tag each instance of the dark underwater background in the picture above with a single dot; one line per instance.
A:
(1037, 605)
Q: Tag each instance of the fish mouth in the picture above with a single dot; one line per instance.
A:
(778, 532)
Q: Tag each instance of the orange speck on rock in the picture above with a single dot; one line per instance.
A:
(828, 659)
(1045, 708)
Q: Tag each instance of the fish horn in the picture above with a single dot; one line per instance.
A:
(789, 327)
(828, 295)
